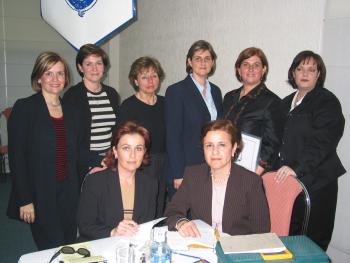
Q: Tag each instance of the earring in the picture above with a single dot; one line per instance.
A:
(39, 81)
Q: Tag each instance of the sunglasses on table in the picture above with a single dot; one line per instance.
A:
(70, 250)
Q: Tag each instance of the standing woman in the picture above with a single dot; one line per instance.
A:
(96, 102)
(188, 105)
(254, 108)
(147, 109)
(314, 126)
(44, 149)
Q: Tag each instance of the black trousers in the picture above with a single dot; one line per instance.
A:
(322, 216)
(62, 230)
(156, 168)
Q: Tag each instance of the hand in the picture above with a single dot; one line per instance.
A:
(177, 183)
(188, 229)
(125, 228)
(259, 170)
(283, 173)
(27, 214)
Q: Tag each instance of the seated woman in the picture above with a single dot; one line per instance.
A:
(114, 201)
(219, 192)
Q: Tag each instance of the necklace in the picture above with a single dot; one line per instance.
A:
(151, 101)
(220, 179)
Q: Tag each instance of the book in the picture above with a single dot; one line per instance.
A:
(285, 254)
(145, 229)
(256, 243)
(92, 259)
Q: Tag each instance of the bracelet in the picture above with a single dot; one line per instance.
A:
(178, 223)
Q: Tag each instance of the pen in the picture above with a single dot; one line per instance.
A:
(217, 233)
(185, 255)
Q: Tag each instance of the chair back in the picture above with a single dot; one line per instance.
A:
(281, 198)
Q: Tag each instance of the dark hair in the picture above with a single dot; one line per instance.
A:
(248, 53)
(228, 127)
(43, 63)
(304, 57)
(129, 127)
(201, 45)
(141, 64)
(88, 50)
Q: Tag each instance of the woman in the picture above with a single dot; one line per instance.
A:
(188, 105)
(147, 109)
(44, 148)
(219, 192)
(114, 201)
(254, 108)
(96, 102)
(314, 126)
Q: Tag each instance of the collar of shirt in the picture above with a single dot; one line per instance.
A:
(201, 88)
(294, 103)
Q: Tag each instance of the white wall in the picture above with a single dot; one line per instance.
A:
(336, 53)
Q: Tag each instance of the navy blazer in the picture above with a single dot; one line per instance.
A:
(185, 114)
(101, 206)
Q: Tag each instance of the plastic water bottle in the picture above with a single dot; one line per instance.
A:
(160, 251)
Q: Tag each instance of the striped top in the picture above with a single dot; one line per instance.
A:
(128, 197)
(103, 120)
(61, 149)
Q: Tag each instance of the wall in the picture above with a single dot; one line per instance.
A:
(336, 53)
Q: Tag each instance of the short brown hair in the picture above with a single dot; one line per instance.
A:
(201, 45)
(88, 50)
(305, 56)
(43, 63)
(141, 64)
(129, 127)
(228, 127)
(248, 53)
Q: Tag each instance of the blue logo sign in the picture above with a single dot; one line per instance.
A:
(81, 6)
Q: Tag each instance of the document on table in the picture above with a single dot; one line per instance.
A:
(206, 240)
(250, 152)
(145, 229)
(257, 243)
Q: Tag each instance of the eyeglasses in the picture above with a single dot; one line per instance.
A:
(256, 65)
(70, 250)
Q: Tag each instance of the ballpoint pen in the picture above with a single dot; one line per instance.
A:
(190, 256)
(217, 233)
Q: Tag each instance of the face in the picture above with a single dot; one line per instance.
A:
(147, 81)
(201, 63)
(129, 152)
(218, 150)
(53, 80)
(306, 75)
(251, 71)
(92, 68)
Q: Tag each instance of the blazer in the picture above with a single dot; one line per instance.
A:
(185, 114)
(245, 207)
(101, 207)
(259, 113)
(311, 136)
(76, 96)
(32, 156)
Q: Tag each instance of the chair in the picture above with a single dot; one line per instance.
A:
(281, 198)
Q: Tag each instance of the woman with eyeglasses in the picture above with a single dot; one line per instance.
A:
(313, 129)
(146, 107)
(96, 102)
(189, 104)
(114, 201)
(254, 108)
(44, 152)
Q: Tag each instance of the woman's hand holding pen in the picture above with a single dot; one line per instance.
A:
(126, 227)
(188, 229)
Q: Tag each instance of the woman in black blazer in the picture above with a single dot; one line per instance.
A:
(44, 152)
(254, 108)
(314, 127)
(114, 201)
(188, 105)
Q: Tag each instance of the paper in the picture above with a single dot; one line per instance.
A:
(206, 240)
(257, 243)
(249, 155)
(145, 229)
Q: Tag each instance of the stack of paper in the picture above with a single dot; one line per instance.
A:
(257, 243)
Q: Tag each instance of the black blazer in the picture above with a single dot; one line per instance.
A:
(311, 136)
(185, 114)
(101, 207)
(76, 96)
(245, 207)
(32, 156)
(258, 113)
